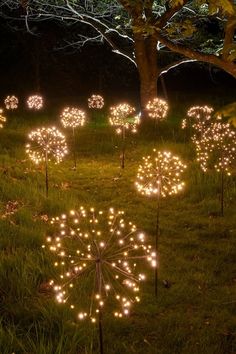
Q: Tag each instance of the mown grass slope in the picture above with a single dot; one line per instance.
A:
(194, 314)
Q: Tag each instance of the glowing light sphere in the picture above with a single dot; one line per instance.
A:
(11, 102)
(99, 257)
(160, 174)
(200, 112)
(96, 102)
(46, 143)
(35, 102)
(123, 118)
(157, 109)
(198, 117)
(3, 119)
(72, 117)
(217, 147)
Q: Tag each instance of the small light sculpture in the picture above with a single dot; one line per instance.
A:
(96, 102)
(72, 117)
(100, 259)
(35, 102)
(11, 102)
(160, 175)
(216, 148)
(157, 109)
(46, 144)
(123, 118)
(3, 119)
(198, 118)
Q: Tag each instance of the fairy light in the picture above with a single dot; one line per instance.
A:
(160, 174)
(35, 102)
(96, 265)
(46, 141)
(3, 119)
(157, 109)
(72, 117)
(217, 147)
(11, 102)
(96, 102)
(198, 117)
(123, 118)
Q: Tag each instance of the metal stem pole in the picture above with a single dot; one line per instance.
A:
(99, 286)
(74, 148)
(46, 172)
(157, 238)
(222, 194)
(123, 147)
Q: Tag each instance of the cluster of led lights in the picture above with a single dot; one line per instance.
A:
(72, 117)
(157, 109)
(46, 143)
(217, 147)
(11, 102)
(99, 253)
(2, 118)
(160, 174)
(96, 102)
(35, 102)
(122, 117)
(198, 117)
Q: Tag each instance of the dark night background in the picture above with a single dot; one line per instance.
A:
(33, 63)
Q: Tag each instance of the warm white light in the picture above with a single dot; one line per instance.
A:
(35, 102)
(46, 143)
(160, 174)
(157, 109)
(96, 102)
(198, 117)
(216, 146)
(98, 268)
(11, 102)
(3, 119)
(72, 117)
(122, 117)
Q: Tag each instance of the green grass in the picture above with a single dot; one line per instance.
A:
(196, 314)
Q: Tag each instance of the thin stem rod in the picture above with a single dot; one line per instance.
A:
(46, 172)
(100, 332)
(123, 147)
(222, 194)
(99, 287)
(157, 238)
(74, 148)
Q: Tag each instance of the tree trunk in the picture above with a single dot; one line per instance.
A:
(146, 59)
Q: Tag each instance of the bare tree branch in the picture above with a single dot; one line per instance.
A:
(228, 66)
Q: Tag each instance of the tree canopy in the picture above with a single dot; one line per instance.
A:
(196, 29)
(144, 30)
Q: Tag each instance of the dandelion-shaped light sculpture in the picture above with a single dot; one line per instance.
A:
(96, 102)
(72, 117)
(99, 257)
(160, 175)
(11, 102)
(35, 102)
(3, 119)
(123, 118)
(157, 109)
(46, 144)
(217, 149)
(198, 118)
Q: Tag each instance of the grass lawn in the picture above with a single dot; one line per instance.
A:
(194, 314)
